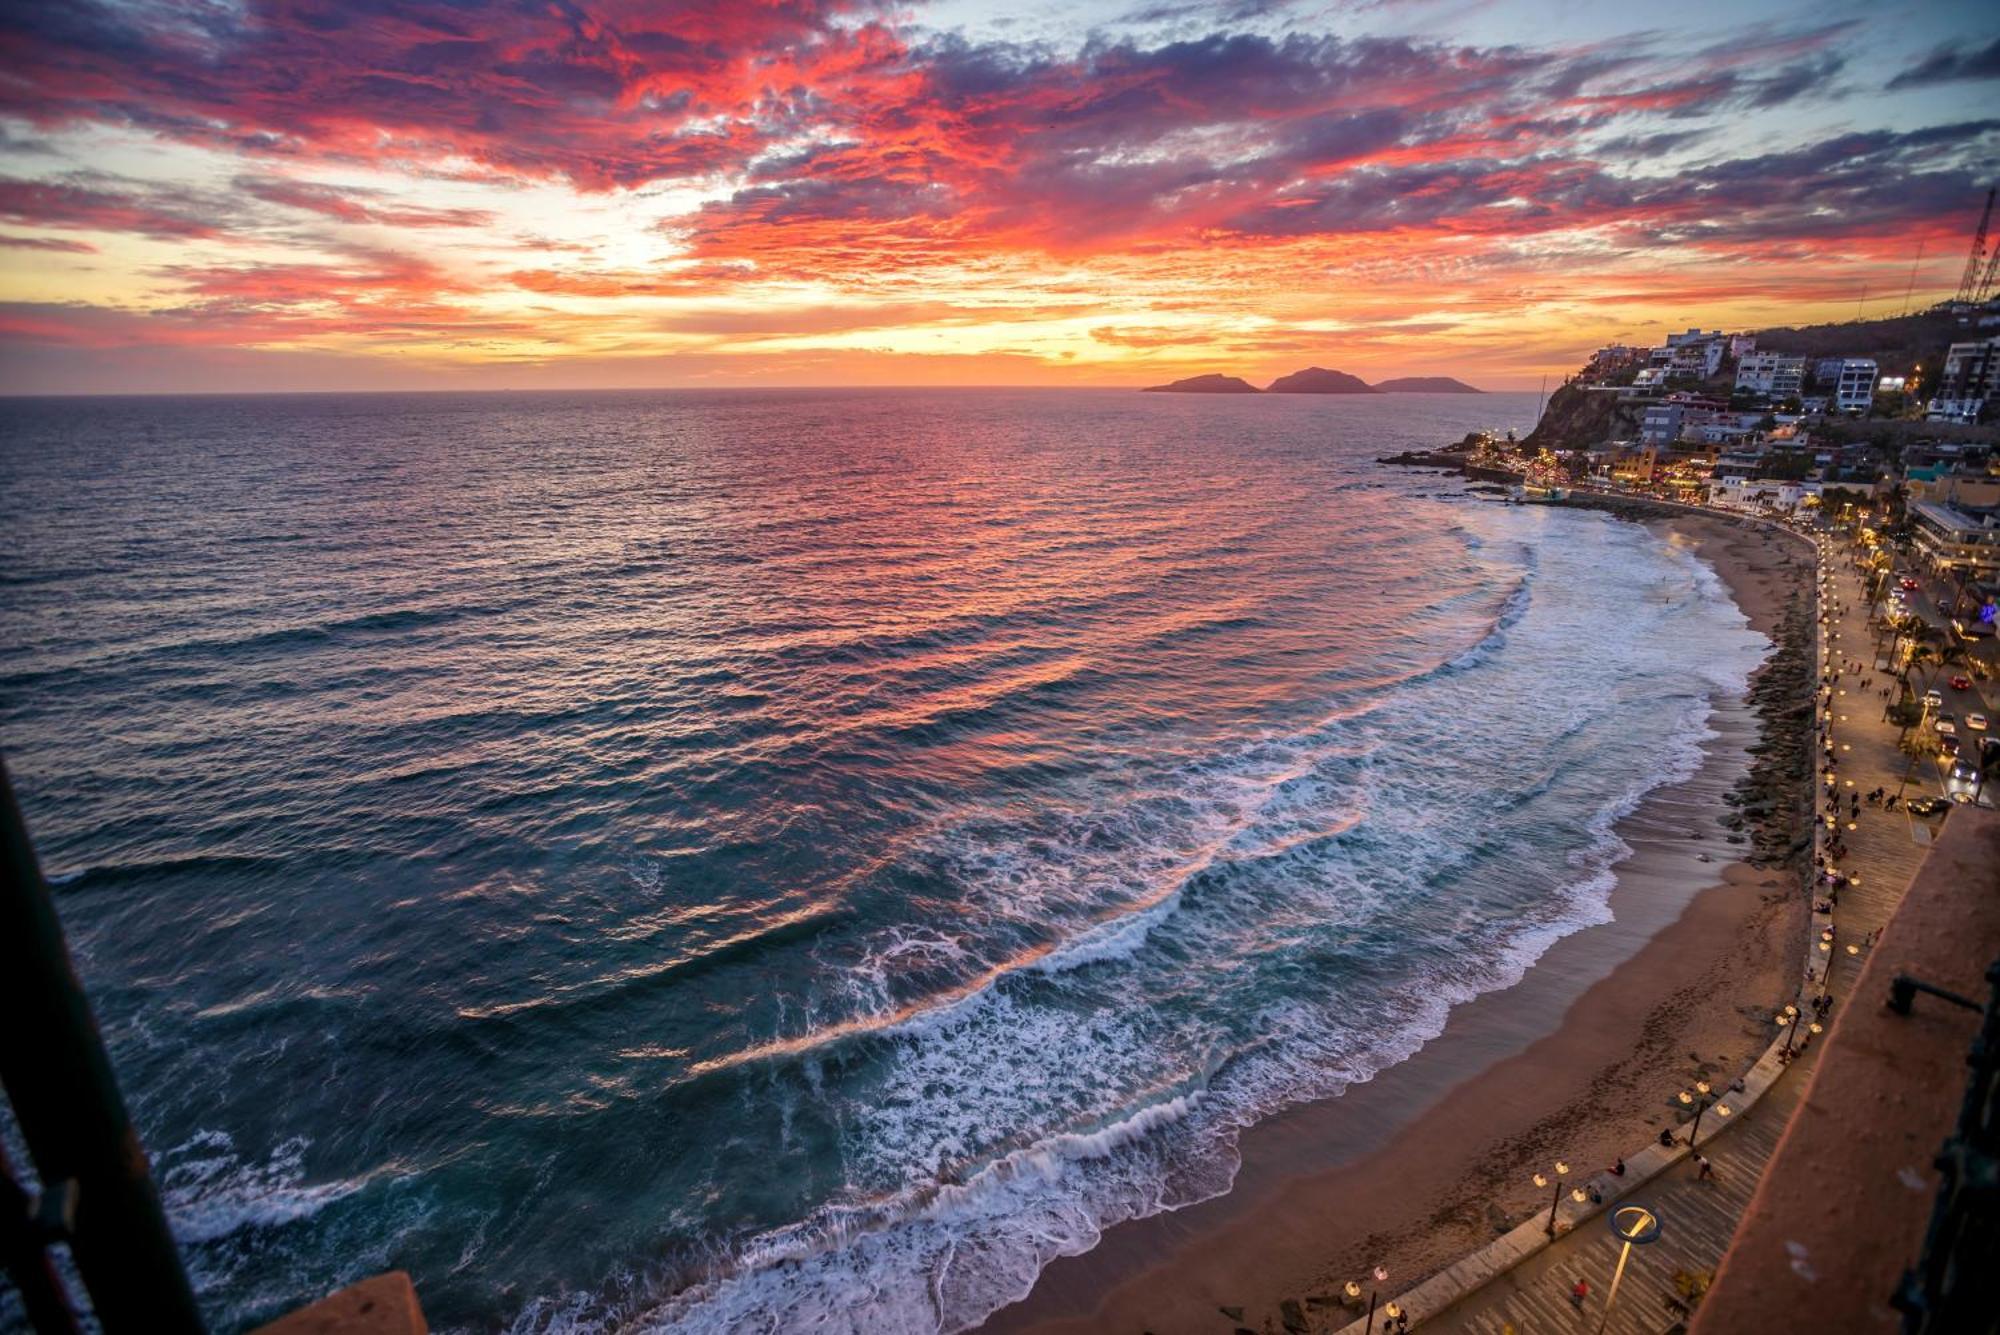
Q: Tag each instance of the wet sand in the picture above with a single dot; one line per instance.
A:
(1578, 1061)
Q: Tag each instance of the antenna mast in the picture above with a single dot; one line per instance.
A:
(1969, 284)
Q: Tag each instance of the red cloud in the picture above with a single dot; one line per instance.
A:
(48, 243)
(61, 204)
(356, 206)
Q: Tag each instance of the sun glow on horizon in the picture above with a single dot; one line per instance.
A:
(840, 193)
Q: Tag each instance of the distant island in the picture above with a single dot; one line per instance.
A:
(1426, 384)
(1318, 380)
(1315, 380)
(1205, 384)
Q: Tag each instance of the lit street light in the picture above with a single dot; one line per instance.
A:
(1635, 1226)
(1785, 1020)
(1701, 1104)
(1381, 1276)
(1562, 1171)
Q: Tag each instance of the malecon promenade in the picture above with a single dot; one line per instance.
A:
(1523, 1282)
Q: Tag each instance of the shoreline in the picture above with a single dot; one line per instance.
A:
(1433, 1157)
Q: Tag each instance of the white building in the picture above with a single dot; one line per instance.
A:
(1949, 537)
(1662, 423)
(1772, 374)
(1963, 411)
(1970, 376)
(1756, 493)
(1694, 355)
(1854, 391)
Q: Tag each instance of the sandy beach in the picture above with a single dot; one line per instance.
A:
(1579, 1061)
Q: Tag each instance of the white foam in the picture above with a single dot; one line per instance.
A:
(1015, 1123)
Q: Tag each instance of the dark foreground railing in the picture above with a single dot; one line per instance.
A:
(1955, 1285)
(97, 1194)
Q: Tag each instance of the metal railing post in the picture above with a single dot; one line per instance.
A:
(65, 1098)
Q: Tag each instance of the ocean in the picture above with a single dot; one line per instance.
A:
(749, 861)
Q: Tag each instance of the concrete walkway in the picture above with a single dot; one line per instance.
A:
(1699, 1218)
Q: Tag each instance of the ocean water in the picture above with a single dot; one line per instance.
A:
(763, 861)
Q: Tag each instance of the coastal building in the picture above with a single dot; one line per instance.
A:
(1639, 465)
(1963, 412)
(1762, 493)
(1739, 464)
(1742, 345)
(1854, 385)
(1772, 374)
(1615, 358)
(1971, 370)
(1694, 355)
(1969, 378)
(1961, 490)
(1950, 538)
(1726, 428)
(1662, 423)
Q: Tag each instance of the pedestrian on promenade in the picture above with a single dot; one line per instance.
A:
(1704, 1171)
(1578, 1294)
(1666, 1138)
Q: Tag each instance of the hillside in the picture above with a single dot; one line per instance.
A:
(1318, 380)
(1425, 384)
(1204, 384)
(1578, 418)
(1897, 343)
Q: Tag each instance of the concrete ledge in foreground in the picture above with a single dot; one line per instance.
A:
(383, 1305)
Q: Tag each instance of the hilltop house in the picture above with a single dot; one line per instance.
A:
(1971, 376)
(1772, 374)
(1854, 385)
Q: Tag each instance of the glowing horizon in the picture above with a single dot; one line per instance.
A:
(301, 194)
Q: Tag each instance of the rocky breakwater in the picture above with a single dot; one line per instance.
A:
(1467, 458)
(1773, 801)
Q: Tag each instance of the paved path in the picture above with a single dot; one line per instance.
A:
(1698, 1218)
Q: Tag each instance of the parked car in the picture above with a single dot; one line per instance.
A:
(1926, 806)
(1976, 722)
(1961, 683)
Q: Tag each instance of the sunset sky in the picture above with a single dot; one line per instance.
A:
(310, 194)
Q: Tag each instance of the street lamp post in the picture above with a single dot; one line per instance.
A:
(1788, 1022)
(1701, 1103)
(1380, 1276)
(1555, 1199)
(1635, 1226)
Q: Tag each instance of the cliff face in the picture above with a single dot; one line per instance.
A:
(1318, 380)
(1577, 419)
(1204, 384)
